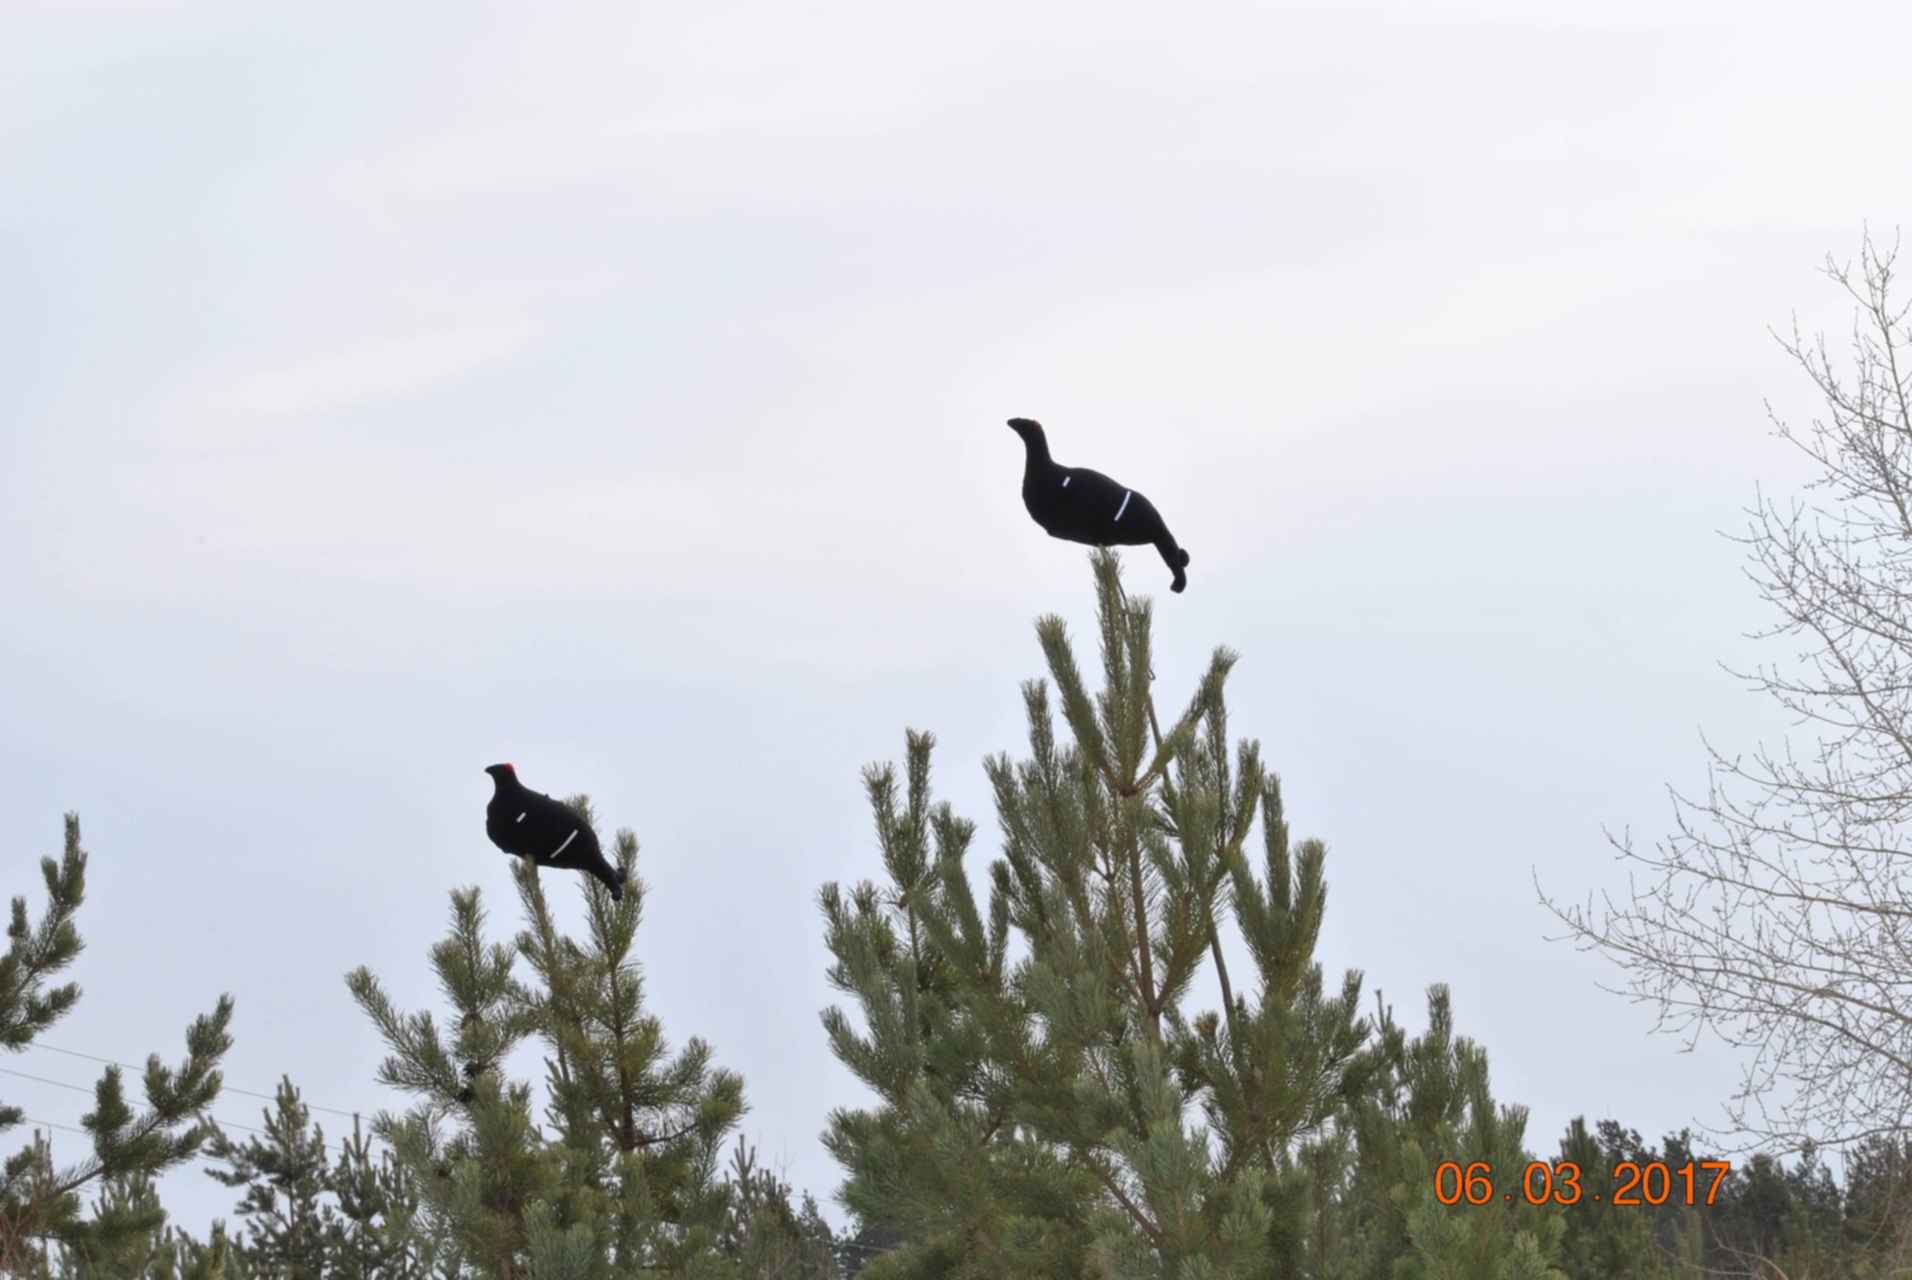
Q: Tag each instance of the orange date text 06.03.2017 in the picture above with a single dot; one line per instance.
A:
(1652, 1182)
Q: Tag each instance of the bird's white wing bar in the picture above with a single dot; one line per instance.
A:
(521, 816)
(1126, 495)
(1066, 480)
(567, 840)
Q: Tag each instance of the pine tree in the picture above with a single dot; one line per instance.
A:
(137, 1252)
(857, 1249)
(285, 1179)
(1034, 1115)
(1603, 1239)
(1878, 1188)
(1644, 1241)
(643, 1127)
(157, 1253)
(1772, 1219)
(379, 1230)
(40, 1201)
(764, 1234)
(627, 1178)
(1432, 1105)
(217, 1258)
(356, 1219)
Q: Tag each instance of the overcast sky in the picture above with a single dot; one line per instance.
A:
(618, 389)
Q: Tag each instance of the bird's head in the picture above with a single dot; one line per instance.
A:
(1033, 440)
(502, 774)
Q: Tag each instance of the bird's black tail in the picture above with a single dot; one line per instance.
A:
(617, 890)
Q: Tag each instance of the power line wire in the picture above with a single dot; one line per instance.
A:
(221, 1121)
(200, 1157)
(78, 1088)
(197, 1157)
(228, 1088)
(203, 1158)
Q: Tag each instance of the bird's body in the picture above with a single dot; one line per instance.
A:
(1080, 505)
(530, 824)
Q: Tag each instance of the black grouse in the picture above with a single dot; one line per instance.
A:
(1080, 505)
(532, 825)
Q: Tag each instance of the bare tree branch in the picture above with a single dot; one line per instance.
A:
(1778, 913)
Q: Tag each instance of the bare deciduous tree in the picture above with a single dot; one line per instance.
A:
(1777, 914)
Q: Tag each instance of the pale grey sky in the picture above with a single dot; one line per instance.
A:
(619, 390)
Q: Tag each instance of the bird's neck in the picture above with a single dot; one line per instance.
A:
(1036, 458)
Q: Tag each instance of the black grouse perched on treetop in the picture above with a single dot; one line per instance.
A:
(1080, 505)
(532, 825)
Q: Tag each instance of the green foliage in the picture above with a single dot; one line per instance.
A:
(641, 1127)
(284, 1176)
(378, 1231)
(1429, 1104)
(858, 1249)
(1034, 1116)
(764, 1235)
(1645, 1241)
(476, 1181)
(1878, 1198)
(36, 953)
(354, 1219)
(626, 1177)
(215, 1259)
(136, 1251)
(40, 1202)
